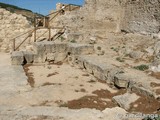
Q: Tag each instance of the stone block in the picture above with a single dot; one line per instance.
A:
(40, 55)
(80, 62)
(50, 47)
(39, 47)
(125, 100)
(80, 49)
(61, 47)
(29, 56)
(136, 54)
(122, 80)
(60, 57)
(40, 58)
(17, 58)
(89, 66)
(111, 72)
(50, 56)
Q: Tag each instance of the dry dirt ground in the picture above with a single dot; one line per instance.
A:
(62, 85)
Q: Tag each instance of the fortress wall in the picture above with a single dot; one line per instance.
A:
(11, 25)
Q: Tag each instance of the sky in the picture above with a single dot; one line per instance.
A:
(41, 6)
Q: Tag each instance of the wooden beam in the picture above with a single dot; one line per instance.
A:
(14, 44)
(49, 34)
(35, 29)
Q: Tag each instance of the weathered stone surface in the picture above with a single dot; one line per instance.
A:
(40, 55)
(12, 25)
(157, 48)
(136, 54)
(60, 57)
(125, 100)
(29, 56)
(138, 16)
(49, 47)
(17, 58)
(122, 80)
(50, 56)
(102, 71)
(144, 91)
(80, 49)
(61, 47)
(150, 51)
(117, 111)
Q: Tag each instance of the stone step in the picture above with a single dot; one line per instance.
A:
(121, 78)
(103, 71)
(50, 51)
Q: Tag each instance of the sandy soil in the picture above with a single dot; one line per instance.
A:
(58, 84)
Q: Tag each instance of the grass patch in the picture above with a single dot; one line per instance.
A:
(152, 118)
(141, 67)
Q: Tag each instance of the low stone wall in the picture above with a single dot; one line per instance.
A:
(50, 51)
(12, 25)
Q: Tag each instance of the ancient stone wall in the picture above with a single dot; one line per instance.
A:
(141, 16)
(11, 25)
(137, 16)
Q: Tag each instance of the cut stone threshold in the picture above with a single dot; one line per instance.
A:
(82, 56)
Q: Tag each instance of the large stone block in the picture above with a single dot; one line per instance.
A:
(50, 56)
(39, 47)
(50, 47)
(17, 58)
(29, 56)
(40, 58)
(61, 47)
(80, 49)
(40, 55)
(60, 57)
(125, 100)
(122, 80)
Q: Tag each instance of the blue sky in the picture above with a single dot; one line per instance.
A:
(40, 6)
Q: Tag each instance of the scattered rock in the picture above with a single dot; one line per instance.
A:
(150, 51)
(93, 40)
(125, 100)
(136, 54)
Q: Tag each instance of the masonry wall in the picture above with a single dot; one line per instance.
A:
(141, 16)
(11, 25)
(137, 16)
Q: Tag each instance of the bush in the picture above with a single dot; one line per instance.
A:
(142, 67)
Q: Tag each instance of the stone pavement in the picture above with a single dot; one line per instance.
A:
(12, 78)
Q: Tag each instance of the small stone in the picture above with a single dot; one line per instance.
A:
(136, 54)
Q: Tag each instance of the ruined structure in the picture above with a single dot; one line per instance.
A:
(12, 25)
(141, 16)
(138, 16)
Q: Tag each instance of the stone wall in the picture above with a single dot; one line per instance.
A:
(137, 16)
(141, 16)
(11, 25)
